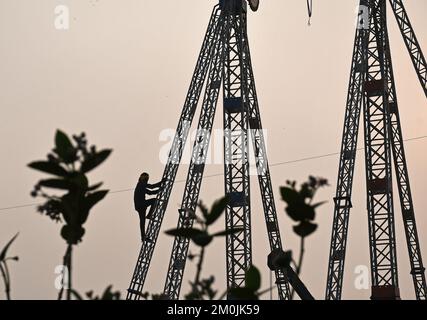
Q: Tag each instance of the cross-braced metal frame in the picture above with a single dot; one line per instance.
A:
(224, 59)
(372, 90)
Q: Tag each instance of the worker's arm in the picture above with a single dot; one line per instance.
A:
(152, 192)
(155, 186)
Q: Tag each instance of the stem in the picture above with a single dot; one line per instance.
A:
(299, 265)
(67, 264)
(5, 276)
(199, 268)
(70, 250)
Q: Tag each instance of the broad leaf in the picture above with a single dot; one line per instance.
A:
(305, 228)
(300, 212)
(203, 209)
(316, 205)
(184, 232)
(4, 251)
(217, 210)
(290, 196)
(253, 279)
(64, 148)
(49, 167)
(94, 160)
(93, 198)
(61, 184)
(227, 232)
(89, 202)
(95, 186)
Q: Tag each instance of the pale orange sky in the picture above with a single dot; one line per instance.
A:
(121, 74)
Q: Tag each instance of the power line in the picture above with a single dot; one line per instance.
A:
(276, 164)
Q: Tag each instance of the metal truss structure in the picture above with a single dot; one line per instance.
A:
(372, 92)
(224, 61)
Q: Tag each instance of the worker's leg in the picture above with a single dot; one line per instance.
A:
(141, 214)
(152, 204)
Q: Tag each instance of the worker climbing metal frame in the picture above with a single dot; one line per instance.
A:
(372, 87)
(224, 59)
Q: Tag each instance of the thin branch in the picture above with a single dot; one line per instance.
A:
(299, 266)
(5, 276)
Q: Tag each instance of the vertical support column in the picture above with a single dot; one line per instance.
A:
(236, 158)
(402, 177)
(263, 170)
(382, 239)
(343, 194)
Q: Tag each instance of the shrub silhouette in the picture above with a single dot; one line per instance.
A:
(201, 289)
(108, 294)
(68, 163)
(301, 209)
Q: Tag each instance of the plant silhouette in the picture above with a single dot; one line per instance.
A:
(4, 268)
(300, 208)
(68, 163)
(251, 289)
(108, 294)
(201, 289)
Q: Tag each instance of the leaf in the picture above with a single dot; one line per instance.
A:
(184, 232)
(64, 148)
(49, 167)
(227, 232)
(290, 196)
(300, 212)
(4, 251)
(95, 186)
(203, 209)
(57, 184)
(318, 204)
(217, 209)
(89, 202)
(305, 228)
(94, 160)
(253, 279)
(93, 198)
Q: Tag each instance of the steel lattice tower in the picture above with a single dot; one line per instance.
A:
(372, 92)
(224, 61)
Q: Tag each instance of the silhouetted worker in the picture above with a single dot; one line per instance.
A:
(141, 203)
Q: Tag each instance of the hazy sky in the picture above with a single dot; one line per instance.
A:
(121, 73)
